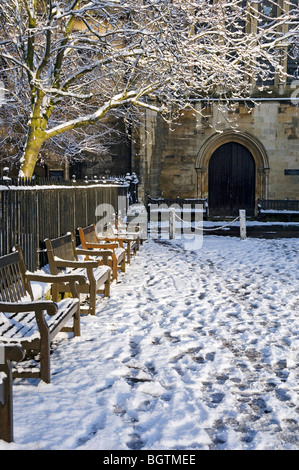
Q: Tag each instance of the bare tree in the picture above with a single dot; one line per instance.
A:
(68, 64)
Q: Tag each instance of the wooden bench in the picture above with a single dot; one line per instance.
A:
(278, 209)
(63, 256)
(7, 355)
(192, 205)
(34, 323)
(132, 234)
(118, 232)
(92, 243)
(136, 221)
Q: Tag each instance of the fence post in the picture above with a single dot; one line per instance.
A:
(171, 223)
(242, 214)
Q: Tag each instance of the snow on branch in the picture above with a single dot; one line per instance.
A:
(77, 60)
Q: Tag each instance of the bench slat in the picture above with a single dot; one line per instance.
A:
(19, 325)
(23, 325)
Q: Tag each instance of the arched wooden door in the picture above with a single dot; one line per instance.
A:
(231, 180)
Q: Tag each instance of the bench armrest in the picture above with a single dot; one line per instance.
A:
(56, 278)
(112, 241)
(92, 251)
(108, 239)
(123, 238)
(101, 246)
(126, 234)
(64, 263)
(31, 306)
(13, 352)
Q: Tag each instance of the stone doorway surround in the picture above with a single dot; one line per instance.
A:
(255, 147)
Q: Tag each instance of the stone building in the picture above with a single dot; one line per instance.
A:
(232, 160)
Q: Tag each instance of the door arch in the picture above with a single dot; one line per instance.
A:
(251, 143)
(231, 180)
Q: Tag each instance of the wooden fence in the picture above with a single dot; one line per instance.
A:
(29, 214)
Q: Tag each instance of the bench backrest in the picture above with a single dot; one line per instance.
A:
(178, 201)
(88, 235)
(13, 286)
(62, 247)
(279, 204)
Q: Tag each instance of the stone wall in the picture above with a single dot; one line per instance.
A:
(173, 160)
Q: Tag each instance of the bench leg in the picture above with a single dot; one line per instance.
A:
(45, 359)
(92, 299)
(6, 412)
(107, 287)
(114, 268)
(77, 330)
(123, 265)
(128, 252)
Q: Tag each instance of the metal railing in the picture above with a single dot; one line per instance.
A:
(29, 214)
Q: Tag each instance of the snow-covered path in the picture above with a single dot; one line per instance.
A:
(193, 350)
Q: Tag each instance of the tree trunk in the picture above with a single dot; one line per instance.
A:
(32, 148)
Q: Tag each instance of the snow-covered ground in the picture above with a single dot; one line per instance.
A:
(193, 350)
